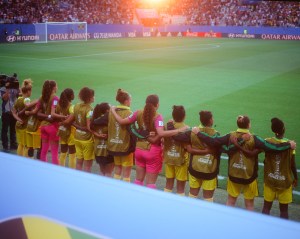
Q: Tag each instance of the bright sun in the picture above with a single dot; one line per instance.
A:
(154, 1)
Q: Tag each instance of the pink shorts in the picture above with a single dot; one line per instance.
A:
(150, 159)
(49, 132)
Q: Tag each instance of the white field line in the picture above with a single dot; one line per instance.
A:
(210, 46)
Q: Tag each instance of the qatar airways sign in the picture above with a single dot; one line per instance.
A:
(280, 37)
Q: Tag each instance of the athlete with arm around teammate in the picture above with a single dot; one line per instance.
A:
(148, 155)
(242, 167)
(280, 172)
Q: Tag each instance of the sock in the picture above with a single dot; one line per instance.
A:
(151, 185)
(54, 152)
(20, 150)
(38, 153)
(126, 180)
(44, 151)
(138, 182)
(72, 160)
(25, 151)
(209, 199)
(167, 190)
(62, 159)
(30, 152)
(181, 194)
(192, 196)
(116, 176)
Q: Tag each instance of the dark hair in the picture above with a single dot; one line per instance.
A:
(99, 110)
(243, 121)
(47, 90)
(277, 126)
(26, 86)
(178, 113)
(149, 111)
(205, 117)
(65, 98)
(122, 96)
(85, 94)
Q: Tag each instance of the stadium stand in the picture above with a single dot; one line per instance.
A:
(189, 12)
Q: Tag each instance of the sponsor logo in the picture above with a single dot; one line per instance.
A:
(131, 34)
(238, 35)
(146, 34)
(192, 34)
(103, 35)
(210, 34)
(11, 38)
(279, 37)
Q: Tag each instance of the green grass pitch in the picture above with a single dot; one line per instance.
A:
(227, 76)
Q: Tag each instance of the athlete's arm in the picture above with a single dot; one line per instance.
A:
(101, 121)
(16, 115)
(69, 120)
(264, 145)
(168, 133)
(214, 141)
(118, 118)
(192, 150)
(251, 153)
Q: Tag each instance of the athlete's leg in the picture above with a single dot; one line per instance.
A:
(180, 186)
(151, 180)
(44, 151)
(194, 192)
(249, 204)
(284, 213)
(108, 169)
(54, 144)
(63, 154)
(208, 195)
(72, 156)
(87, 165)
(231, 201)
(169, 184)
(267, 207)
(79, 164)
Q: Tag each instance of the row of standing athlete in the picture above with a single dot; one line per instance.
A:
(101, 134)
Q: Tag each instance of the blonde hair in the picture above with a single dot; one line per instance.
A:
(26, 86)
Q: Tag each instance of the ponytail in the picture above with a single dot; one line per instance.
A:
(26, 86)
(150, 111)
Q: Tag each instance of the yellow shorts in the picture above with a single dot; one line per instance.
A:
(33, 139)
(125, 161)
(206, 184)
(284, 196)
(178, 172)
(70, 140)
(21, 136)
(85, 149)
(250, 191)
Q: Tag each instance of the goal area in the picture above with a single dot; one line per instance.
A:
(61, 31)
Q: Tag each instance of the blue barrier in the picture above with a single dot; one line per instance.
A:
(110, 208)
(28, 32)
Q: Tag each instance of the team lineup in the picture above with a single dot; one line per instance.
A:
(118, 138)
